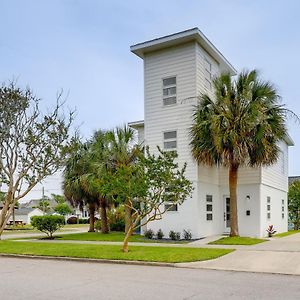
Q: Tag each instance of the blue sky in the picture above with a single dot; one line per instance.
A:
(82, 46)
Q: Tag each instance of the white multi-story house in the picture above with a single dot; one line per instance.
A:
(177, 69)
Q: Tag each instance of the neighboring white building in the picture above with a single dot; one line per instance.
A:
(23, 215)
(177, 68)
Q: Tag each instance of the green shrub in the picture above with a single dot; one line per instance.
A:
(149, 234)
(72, 220)
(173, 235)
(116, 218)
(48, 224)
(159, 234)
(83, 221)
(187, 235)
(98, 225)
(118, 225)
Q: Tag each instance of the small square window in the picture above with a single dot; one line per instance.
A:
(268, 207)
(282, 201)
(269, 215)
(209, 198)
(209, 207)
(247, 212)
(268, 199)
(209, 217)
(282, 215)
(282, 208)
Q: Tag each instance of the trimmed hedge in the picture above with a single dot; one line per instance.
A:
(48, 224)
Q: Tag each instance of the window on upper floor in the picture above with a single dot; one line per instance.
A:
(282, 208)
(169, 91)
(170, 140)
(282, 162)
(207, 74)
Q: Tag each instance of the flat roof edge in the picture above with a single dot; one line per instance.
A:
(170, 40)
(136, 124)
(289, 140)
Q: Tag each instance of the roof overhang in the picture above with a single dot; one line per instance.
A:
(182, 37)
(137, 124)
(289, 141)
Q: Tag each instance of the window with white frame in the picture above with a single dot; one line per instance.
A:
(169, 90)
(268, 207)
(169, 206)
(209, 207)
(207, 74)
(170, 140)
(282, 208)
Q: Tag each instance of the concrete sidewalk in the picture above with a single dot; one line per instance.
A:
(279, 255)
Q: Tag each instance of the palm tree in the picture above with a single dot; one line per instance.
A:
(76, 167)
(240, 126)
(123, 152)
(93, 178)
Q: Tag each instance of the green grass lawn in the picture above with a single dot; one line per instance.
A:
(237, 241)
(141, 253)
(283, 234)
(110, 237)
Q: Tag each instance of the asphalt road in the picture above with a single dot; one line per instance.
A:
(43, 279)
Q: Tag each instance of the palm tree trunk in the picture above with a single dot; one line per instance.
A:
(104, 222)
(128, 220)
(233, 177)
(92, 217)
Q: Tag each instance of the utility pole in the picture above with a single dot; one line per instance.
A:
(43, 199)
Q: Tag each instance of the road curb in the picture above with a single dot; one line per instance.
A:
(90, 260)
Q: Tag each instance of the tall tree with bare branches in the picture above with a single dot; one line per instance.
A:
(32, 144)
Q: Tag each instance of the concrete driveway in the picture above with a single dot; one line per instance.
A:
(279, 255)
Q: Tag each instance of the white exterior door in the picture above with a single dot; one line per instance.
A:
(226, 214)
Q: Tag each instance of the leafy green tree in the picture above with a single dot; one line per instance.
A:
(63, 209)
(59, 199)
(2, 197)
(44, 205)
(240, 126)
(294, 204)
(48, 224)
(145, 185)
(33, 145)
